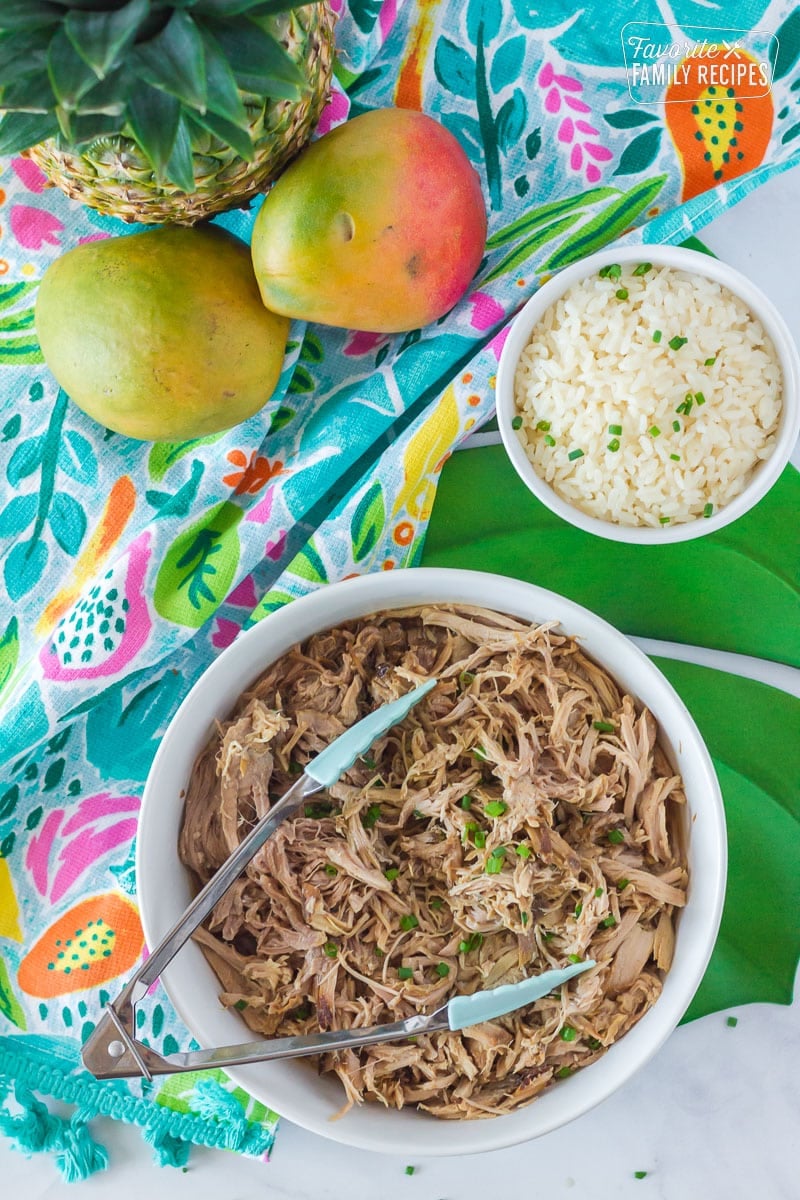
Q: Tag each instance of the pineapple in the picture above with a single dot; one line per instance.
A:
(162, 110)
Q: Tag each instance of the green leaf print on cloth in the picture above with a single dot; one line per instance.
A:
(199, 567)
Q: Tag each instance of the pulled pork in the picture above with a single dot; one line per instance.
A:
(522, 816)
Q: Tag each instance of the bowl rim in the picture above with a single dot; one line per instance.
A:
(239, 665)
(694, 262)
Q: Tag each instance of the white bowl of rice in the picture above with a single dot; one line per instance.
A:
(649, 394)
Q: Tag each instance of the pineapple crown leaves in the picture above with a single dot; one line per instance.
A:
(159, 71)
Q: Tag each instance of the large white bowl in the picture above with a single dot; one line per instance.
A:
(294, 1089)
(695, 263)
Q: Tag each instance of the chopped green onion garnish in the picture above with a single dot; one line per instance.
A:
(442, 969)
(616, 836)
(473, 942)
(675, 457)
(466, 803)
(640, 1174)
(499, 852)
(548, 440)
(614, 271)
(391, 874)
(621, 293)
(302, 1013)
(524, 851)
(436, 904)
(654, 431)
(593, 1043)
(663, 520)
(578, 909)
(732, 1022)
(609, 922)
(330, 869)
(700, 398)
(379, 953)
(317, 810)
(466, 678)
(643, 268)
(676, 425)
(516, 422)
(331, 949)
(574, 958)
(480, 753)
(419, 814)
(676, 342)
(657, 336)
(408, 921)
(404, 972)
(371, 816)
(710, 362)
(568, 1034)
(479, 839)
(563, 1072)
(495, 808)
(613, 445)
(543, 426)
(524, 918)
(708, 510)
(615, 429)
(548, 936)
(240, 1005)
(295, 768)
(598, 891)
(573, 454)
(493, 865)
(368, 761)
(622, 884)
(409, 1170)
(604, 726)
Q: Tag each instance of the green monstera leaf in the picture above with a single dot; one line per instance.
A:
(199, 567)
(736, 590)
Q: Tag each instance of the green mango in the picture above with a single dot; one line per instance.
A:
(161, 335)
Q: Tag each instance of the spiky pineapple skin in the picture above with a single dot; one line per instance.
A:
(113, 176)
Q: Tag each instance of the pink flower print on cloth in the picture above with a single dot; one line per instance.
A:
(575, 132)
(65, 849)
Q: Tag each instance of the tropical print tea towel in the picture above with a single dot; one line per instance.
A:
(125, 567)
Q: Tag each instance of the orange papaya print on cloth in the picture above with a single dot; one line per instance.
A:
(117, 512)
(98, 939)
(720, 130)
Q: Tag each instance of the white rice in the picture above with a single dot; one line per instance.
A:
(592, 363)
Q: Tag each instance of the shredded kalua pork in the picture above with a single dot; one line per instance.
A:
(523, 816)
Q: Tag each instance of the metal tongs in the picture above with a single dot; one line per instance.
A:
(113, 1051)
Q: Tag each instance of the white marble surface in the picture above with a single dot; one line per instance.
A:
(712, 1117)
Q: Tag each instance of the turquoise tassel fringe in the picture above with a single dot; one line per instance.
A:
(35, 1129)
(220, 1120)
(169, 1151)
